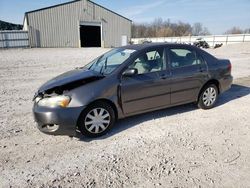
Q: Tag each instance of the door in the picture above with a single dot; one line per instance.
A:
(189, 71)
(148, 89)
(124, 40)
(90, 36)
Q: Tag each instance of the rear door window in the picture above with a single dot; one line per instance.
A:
(181, 57)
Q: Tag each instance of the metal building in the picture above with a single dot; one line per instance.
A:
(79, 23)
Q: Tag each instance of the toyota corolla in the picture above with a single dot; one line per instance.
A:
(127, 81)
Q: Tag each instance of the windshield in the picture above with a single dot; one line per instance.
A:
(110, 61)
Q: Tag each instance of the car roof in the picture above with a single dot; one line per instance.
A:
(148, 45)
(141, 47)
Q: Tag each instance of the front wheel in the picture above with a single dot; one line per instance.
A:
(208, 97)
(96, 120)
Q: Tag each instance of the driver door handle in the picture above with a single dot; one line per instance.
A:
(201, 69)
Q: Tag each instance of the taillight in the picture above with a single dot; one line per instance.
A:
(229, 68)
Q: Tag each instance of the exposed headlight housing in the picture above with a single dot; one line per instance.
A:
(56, 101)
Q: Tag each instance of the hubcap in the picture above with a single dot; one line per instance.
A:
(209, 96)
(97, 120)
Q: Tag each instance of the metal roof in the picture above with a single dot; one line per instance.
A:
(74, 2)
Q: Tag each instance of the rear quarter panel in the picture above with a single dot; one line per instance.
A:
(218, 70)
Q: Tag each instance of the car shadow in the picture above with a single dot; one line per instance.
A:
(236, 92)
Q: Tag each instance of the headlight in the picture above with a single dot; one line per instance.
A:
(57, 101)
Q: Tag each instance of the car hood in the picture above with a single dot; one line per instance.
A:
(70, 80)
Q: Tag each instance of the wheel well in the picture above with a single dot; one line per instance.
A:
(108, 102)
(213, 81)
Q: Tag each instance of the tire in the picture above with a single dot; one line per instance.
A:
(208, 97)
(96, 120)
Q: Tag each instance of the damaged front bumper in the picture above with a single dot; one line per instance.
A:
(57, 121)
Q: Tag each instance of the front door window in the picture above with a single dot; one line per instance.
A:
(151, 61)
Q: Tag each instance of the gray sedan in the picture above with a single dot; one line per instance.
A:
(127, 81)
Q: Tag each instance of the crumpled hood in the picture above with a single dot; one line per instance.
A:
(70, 80)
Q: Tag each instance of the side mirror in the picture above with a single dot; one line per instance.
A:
(130, 72)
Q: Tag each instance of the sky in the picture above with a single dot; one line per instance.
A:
(217, 15)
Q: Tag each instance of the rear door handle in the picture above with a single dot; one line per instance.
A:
(164, 76)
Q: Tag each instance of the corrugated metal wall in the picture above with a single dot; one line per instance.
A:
(14, 39)
(59, 26)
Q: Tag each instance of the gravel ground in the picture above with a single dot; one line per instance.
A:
(177, 147)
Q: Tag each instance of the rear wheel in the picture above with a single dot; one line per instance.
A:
(96, 120)
(208, 97)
